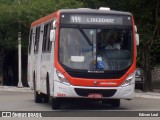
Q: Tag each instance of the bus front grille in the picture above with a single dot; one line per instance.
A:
(85, 92)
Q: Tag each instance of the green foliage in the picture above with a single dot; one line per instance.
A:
(26, 11)
(15, 16)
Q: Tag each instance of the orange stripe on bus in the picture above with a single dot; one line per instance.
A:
(44, 19)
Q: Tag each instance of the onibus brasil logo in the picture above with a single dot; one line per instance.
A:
(21, 114)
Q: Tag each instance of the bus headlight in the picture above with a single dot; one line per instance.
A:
(128, 80)
(62, 79)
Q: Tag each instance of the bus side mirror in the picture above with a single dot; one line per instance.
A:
(52, 35)
(135, 27)
(54, 24)
(137, 39)
(137, 35)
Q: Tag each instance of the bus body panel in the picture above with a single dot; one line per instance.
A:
(62, 90)
(48, 63)
(41, 63)
(30, 59)
(101, 82)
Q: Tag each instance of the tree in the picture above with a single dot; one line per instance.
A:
(148, 22)
(22, 12)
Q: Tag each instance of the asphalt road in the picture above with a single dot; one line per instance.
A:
(23, 101)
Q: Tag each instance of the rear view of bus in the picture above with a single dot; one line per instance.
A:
(94, 56)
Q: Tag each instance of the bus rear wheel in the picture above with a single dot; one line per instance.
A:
(47, 95)
(112, 102)
(37, 97)
(56, 104)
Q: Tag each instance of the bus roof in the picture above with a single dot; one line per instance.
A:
(44, 19)
(78, 10)
(94, 11)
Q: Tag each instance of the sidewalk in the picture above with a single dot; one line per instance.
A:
(138, 93)
(15, 89)
(153, 95)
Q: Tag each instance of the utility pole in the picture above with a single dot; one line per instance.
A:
(19, 52)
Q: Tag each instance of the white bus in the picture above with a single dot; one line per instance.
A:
(68, 56)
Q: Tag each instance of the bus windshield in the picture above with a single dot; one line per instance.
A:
(96, 49)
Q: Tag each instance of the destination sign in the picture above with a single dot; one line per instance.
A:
(95, 19)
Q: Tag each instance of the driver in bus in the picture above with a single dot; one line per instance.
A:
(112, 44)
(101, 44)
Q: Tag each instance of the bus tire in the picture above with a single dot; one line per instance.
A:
(112, 102)
(56, 104)
(47, 95)
(37, 97)
(115, 103)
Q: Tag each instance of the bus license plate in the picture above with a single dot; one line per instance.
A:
(94, 95)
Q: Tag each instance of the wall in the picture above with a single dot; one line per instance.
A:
(156, 77)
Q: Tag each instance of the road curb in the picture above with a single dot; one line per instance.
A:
(15, 89)
(148, 95)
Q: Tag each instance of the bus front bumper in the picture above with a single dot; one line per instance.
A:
(69, 91)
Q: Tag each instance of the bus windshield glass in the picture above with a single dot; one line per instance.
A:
(107, 48)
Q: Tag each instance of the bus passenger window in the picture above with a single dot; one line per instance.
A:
(37, 36)
(46, 38)
(30, 41)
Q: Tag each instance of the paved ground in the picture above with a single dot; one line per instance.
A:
(24, 101)
(21, 99)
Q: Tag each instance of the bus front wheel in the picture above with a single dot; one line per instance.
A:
(55, 103)
(37, 97)
(112, 102)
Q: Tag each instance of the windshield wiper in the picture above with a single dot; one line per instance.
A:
(86, 37)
